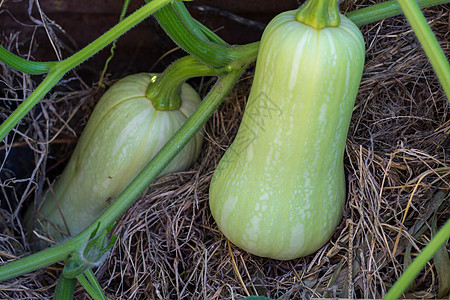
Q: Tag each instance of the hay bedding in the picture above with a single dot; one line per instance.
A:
(169, 246)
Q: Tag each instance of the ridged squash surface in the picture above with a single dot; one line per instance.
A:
(123, 133)
(279, 189)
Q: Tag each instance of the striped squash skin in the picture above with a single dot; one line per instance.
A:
(123, 133)
(279, 189)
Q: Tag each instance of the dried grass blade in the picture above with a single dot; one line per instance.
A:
(237, 270)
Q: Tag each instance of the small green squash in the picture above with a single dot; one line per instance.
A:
(279, 189)
(122, 135)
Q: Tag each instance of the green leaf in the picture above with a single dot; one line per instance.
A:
(98, 245)
(92, 254)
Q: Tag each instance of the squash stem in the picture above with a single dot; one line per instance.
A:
(319, 14)
(165, 91)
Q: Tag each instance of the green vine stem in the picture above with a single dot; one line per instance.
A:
(118, 30)
(101, 84)
(211, 36)
(165, 91)
(189, 22)
(137, 186)
(23, 65)
(213, 54)
(319, 14)
(43, 88)
(56, 70)
(384, 10)
(94, 282)
(65, 288)
(419, 262)
(91, 285)
(195, 26)
(428, 41)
